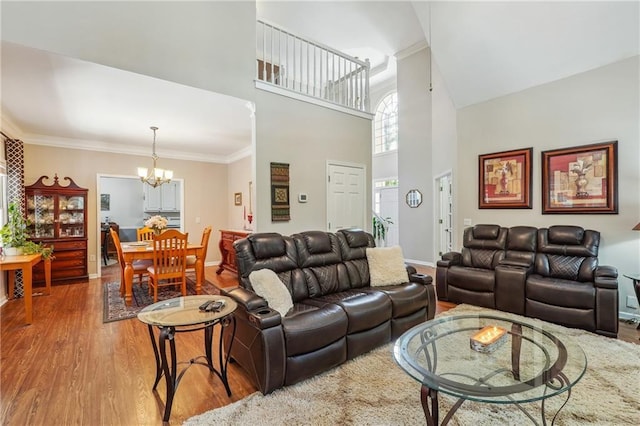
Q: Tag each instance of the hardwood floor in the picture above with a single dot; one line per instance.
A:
(69, 367)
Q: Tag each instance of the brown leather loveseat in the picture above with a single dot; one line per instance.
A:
(336, 314)
(548, 273)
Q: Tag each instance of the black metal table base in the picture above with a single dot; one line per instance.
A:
(429, 397)
(553, 378)
(169, 369)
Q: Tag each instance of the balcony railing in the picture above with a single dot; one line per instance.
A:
(312, 69)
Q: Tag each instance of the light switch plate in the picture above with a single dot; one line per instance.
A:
(467, 222)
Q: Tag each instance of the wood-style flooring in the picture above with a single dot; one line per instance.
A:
(70, 368)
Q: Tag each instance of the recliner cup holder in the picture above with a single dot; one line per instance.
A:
(264, 312)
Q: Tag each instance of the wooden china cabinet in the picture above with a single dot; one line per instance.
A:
(57, 216)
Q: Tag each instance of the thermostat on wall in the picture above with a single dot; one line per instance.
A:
(302, 198)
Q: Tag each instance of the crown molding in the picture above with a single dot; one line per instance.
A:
(9, 127)
(414, 48)
(99, 146)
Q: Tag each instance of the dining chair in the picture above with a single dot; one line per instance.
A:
(145, 234)
(139, 265)
(191, 259)
(169, 261)
(105, 236)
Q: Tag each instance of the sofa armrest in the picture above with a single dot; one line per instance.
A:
(258, 313)
(606, 277)
(449, 259)
(421, 279)
(410, 269)
(249, 300)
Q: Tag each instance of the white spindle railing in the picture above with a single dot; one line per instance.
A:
(310, 68)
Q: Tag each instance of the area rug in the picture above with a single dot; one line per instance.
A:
(114, 306)
(373, 390)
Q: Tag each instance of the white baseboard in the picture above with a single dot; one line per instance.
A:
(629, 316)
(420, 262)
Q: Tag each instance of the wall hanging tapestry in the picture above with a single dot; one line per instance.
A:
(581, 179)
(280, 210)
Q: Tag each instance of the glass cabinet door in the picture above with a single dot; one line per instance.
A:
(41, 216)
(71, 218)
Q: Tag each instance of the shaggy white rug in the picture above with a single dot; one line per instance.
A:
(373, 390)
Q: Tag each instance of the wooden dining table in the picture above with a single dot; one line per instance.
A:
(25, 263)
(136, 250)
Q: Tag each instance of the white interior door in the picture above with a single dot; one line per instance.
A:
(444, 224)
(345, 197)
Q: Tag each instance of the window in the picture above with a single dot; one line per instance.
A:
(385, 131)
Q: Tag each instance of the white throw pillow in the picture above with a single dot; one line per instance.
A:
(386, 266)
(267, 285)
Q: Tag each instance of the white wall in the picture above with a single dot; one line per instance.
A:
(210, 44)
(126, 200)
(306, 136)
(597, 106)
(238, 176)
(414, 156)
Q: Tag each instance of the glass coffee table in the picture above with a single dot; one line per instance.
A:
(181, 315)
(529, 363)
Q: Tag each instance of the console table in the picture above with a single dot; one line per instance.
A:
(25, 263)
(227, 237)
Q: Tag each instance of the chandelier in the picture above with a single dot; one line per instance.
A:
(157, 176)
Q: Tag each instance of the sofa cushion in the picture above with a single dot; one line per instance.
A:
(406, 299)
(386, 266)
(474, 279)
(571, 235)
(266, 284)
(558, 292)
(308, 328)
(364, 309)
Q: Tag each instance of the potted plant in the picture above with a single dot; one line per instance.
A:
(380, 228)
(30, 247)
(13, 233)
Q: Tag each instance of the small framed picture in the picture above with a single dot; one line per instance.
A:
(505, 180)
(237, 198)
(582, 179)
(105, 202)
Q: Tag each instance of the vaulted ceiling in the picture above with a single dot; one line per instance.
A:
(483, 50)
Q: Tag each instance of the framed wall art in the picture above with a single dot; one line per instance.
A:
(582, 179)
(505, 180)
(105, 202)
(280, 209)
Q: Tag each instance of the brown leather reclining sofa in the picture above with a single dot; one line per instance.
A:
(336, 315)
(548, 273)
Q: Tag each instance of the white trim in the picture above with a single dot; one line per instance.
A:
(9, 127)
(420, 262)
(416, 47)
(628, 316)
(268, 87)
(99, 146)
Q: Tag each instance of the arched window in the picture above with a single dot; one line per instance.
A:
(385, 130)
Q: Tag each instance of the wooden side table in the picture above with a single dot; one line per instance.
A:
(182, 315)
(636, 286)
(26, 262)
